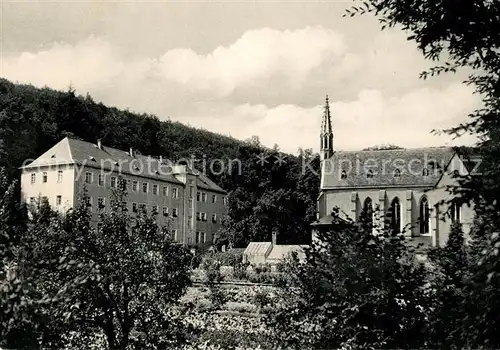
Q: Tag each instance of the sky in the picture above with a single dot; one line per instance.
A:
(239, 68)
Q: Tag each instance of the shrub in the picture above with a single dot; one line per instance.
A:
(262, 298)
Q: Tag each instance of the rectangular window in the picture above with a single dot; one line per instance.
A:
(214, 218)
(113, 181)
(175, 212)
(44, 177)
(135, 186)
(134, 207)
(165, 191)
(101, 180)
(214, 198)
(124, 206)
(101, 202)
(145, 187)
(88, 178)
(165, 211)
(175, 193)
(204, 197)
(89, 202)
(156, 209)
(174, 235)
(198, 216)
(33, 178)
(203, 237)
(155, 190)
(129, 184)
(204, 216)
(197, 238)
(191, 191)
(198, 196)
(58, 200)
(59, 176)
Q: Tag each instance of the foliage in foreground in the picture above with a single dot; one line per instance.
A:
(355, 288)
(121, 281)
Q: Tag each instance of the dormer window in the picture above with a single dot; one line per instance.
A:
(343, 174)
(369, 174)
(397, 173)
(425, 172)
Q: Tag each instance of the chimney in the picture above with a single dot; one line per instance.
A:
(99, 144)
(131, 152)
(273, 238)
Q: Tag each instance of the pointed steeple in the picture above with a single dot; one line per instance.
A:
(326, 135)
(326, 124)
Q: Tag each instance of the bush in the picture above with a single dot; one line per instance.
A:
(240, 271)
(262, 298)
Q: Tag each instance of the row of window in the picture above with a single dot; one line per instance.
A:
(45, 177)
(396, 173)
(173, 232)
(203, 197)
(200, 216)
(131, 185)
(101, 204)
(394, 217)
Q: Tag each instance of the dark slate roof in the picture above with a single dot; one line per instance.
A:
(204, 182)
(109, 158)
(384, 163)
(89, 154)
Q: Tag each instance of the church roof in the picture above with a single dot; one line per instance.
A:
(388, 168)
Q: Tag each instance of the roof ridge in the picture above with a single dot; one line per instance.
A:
(398, 149)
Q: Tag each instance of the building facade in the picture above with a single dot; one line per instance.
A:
(184, 199)
(405, 189)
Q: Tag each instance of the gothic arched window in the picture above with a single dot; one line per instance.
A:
(395, 215)
(425, 172)
(368, 212)
(397, 173)
(424, 217)
(455, 212)
(343, 174)
(369, 174)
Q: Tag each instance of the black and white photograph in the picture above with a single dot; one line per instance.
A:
(249, 174)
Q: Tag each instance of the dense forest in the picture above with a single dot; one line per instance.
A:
(263, 197)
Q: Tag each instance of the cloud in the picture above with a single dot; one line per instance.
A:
(268, 83)
(370, 119)
(87, 64)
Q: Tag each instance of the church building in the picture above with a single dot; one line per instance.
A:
(403, 188)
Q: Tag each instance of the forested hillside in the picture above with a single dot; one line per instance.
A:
(263, 196)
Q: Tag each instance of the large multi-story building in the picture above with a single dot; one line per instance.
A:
(184, 199)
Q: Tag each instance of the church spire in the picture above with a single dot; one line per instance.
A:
(326, 134)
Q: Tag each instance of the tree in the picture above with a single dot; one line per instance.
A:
(465, 37)
(450, 287)
(356, 288)
(121, 280)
